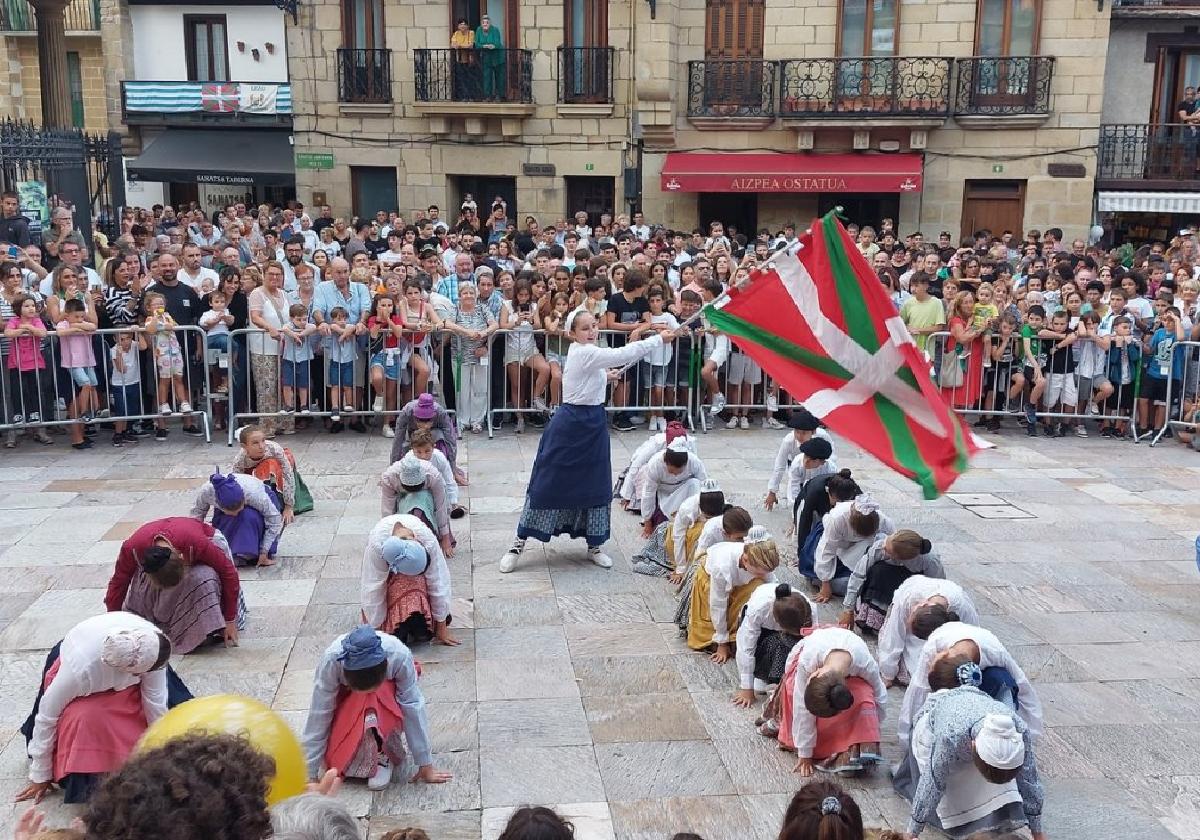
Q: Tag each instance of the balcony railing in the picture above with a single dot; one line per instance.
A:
(474, 75)
(734, 88)
(1155, 5)
(364, 76)
(585, 75)
(1139, 152)
(170, 102)
(865, 87)
(1003, 86)
(80, 16)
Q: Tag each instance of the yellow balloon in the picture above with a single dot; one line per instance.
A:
(234, 715)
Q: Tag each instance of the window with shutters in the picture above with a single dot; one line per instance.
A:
(733, 49)
(1006, 39)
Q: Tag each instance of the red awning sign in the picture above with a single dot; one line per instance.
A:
(801, 173)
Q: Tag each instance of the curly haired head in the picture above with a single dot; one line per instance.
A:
(196, 787)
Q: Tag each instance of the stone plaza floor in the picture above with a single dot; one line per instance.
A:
(571, 687)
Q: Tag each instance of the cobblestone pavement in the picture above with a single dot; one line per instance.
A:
(571, 687)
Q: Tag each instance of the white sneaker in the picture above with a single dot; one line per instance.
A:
(185, 407)
(509, 561)
(718, 403)
(382, 776)
(539, 404)
(377, 406)
(601, 559)
(771, 423)
(1080, 431)
(388, 431)
(732, 422)
(165, 410)
(349, 409)
(744, 422)
(772, 403)
(1092, 409)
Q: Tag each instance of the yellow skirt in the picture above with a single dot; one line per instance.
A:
(689, 541)
(700, 627)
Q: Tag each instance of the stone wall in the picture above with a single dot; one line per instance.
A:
(23, 51)
(12, 90)
(403, 135)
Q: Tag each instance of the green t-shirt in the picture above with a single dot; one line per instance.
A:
(1035, 345)
(921, 315)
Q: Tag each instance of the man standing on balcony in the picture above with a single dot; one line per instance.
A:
(1188, 113)
(487, 39)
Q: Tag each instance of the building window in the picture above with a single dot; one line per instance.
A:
(75, 84)
(362, 23)
(586, 23)
(1008, 27)
(1176, 69)
(206, 47)
(867, 28)
(593, 195)
(502, 13)
(373, 188)
(734, 29)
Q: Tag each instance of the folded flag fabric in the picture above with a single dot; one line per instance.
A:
(822, 325)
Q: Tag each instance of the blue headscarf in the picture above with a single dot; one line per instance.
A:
(361, 649)
(405, 557)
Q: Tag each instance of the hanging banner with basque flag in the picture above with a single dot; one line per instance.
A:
(821, 324)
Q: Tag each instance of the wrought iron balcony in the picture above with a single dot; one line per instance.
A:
(865, 87)
(364, 76)
(1156, 156)
(1156, 8)
(79, 16)
(732, 88)
(191, 103)
(474, 75)
(1003, 86)
(585, 75)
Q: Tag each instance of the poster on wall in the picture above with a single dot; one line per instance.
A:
(214, 198)
(35, 205)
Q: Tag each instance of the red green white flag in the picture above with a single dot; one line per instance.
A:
(820, 323)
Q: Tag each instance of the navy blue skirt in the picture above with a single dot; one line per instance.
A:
(570, 488)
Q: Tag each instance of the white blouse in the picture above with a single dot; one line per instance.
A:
(991, 654)
(812, 652)
(711, 534)
(755, 620)
(648, 449)
(839, 536)
(375, 569)
(789, 451)
(659, 483)
(81, 672)
(585, 378)
(896, 641)
(725, 575)
(391, 488)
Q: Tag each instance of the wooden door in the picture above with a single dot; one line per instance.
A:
(995, 205)
(733, 48)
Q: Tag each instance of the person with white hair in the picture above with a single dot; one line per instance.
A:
(978, 768)
(313, 816)
(102, 686)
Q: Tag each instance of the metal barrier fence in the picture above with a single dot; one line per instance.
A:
(306, 374)
(1085, 378)
(77, 376)
(1179, 396)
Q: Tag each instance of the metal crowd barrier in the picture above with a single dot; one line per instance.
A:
(528, 376)
(47, 394)
(1181, 401)
(754, 386)
(288, 381)
(1000, 387)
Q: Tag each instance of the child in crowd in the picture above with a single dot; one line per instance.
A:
(1124, 367)
(1092, 368)
(76, 355)
(1164, 371)
(1035, 355)
(25, 331)
(657, 376)
(297, 354)
(216, 323)
(168, 356)
(1062, 395)
(557, 344)
(125, 380)
(386, 330)
(340, 353)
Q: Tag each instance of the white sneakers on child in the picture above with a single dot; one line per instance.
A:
(377, 406)
(772, 403)
(509, 561)
(185, 407)
(600, 559)
(539, 404)
(718, 403)
(388, 431)
(165, 409)
(382, 775)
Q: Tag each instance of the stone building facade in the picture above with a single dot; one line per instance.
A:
(989, 109)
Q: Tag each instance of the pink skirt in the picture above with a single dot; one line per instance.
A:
(353, 748)
(857, 725)
(97, 733)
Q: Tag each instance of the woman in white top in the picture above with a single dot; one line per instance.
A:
(833, 702)
(570, 488)
(102, 686)
(850, 530)
(920, 606)
(772, 621)
(269, 312)
(987, 652)
(405, 581)
(724, 582)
